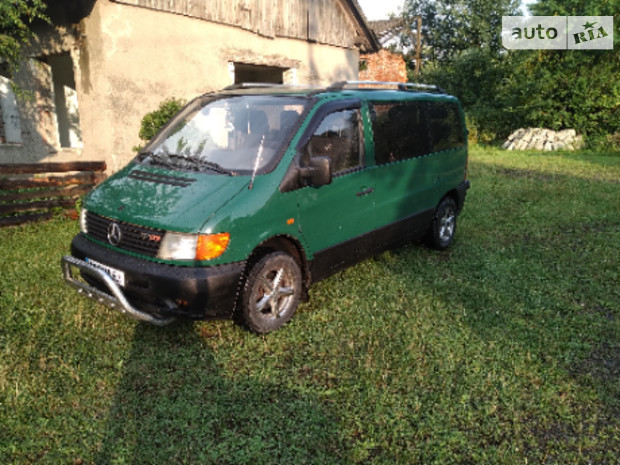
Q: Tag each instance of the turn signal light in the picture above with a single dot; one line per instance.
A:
(211, 246)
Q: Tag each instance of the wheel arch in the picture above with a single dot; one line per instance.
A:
(458, 195)
(289, 245)
(454, 195)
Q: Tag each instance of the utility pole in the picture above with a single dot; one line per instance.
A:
(418, 47)
(416, 40)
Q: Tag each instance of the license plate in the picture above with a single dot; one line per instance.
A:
(117, 275)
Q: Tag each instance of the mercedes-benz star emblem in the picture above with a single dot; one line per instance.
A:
(114, 234)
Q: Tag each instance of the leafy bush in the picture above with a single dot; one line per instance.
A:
(571, 89)
(152, 122)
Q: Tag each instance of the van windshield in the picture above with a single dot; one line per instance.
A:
(235, 135)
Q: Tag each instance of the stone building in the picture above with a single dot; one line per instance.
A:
(383, 66)
(105, 63)
(388, 64)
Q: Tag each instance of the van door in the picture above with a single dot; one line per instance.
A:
(335, 217)
(405, 172)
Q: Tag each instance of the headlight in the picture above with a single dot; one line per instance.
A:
(180, 246)
(83, 226)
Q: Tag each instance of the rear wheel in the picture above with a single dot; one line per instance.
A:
(442, 231)
(271, 292)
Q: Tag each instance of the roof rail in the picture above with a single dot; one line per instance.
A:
(251, 85)
(340, 85)
(374, 84)
(259, 85)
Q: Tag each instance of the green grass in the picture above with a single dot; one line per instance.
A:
(504, 349)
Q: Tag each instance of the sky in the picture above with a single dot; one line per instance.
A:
(380, 9)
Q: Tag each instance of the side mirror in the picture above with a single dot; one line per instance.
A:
(319, 172)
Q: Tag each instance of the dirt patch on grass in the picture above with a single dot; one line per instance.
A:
(602, 366)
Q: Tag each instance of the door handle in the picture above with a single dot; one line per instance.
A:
(370, 190)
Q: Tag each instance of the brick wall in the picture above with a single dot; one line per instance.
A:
(383, 66)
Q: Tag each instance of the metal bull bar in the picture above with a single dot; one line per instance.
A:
(115, 300)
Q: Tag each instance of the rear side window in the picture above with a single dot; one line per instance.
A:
(413, 129)
(400, 131)
(446, 126)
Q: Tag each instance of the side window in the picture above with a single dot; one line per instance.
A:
(400, 131)
(447, 130)
(339, 138)
(10, 126)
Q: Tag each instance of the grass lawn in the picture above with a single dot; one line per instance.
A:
(504, 349)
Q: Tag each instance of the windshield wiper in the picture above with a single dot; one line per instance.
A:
(187, 158)
(157, 158)
(196, 162)
(216, 167)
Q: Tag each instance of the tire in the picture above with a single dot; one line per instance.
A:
(443, 228)
(271, 293)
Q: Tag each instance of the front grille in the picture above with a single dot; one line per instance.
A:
(134, 238)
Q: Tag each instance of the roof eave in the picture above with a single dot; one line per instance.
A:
(371, 43)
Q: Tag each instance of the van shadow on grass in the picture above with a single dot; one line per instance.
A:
(173, 405)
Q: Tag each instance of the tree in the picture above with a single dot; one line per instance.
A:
(16, 18)
(452, 26)
(503, 90)
(574, 8)
(573, 88)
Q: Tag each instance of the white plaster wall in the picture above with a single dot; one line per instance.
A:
(133, 58)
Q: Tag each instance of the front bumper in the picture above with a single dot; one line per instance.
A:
(114, 299)
(153, 292)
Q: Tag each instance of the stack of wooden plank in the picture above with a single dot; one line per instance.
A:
(31, 192)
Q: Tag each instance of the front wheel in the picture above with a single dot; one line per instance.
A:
(443, 228)
(271, 293)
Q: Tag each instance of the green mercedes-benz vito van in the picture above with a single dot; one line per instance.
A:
(251, 194)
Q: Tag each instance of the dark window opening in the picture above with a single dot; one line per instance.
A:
(258, 73)
(4, 70)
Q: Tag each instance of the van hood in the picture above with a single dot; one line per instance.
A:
(164, 199)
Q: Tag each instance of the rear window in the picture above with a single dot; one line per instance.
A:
(446, 126)
(403, 130)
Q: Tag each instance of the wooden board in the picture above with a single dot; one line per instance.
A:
(58, 181)
(31, 188)
(10, 208)
(323, 21)
(74, 191)
(37, 168)
(23, 219)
